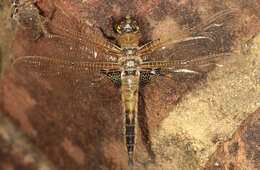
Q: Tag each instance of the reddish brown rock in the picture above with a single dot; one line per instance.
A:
(65, 121)
(11, 159)
(242, 151)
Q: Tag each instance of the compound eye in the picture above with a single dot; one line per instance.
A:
(118, 29)
(137, 28)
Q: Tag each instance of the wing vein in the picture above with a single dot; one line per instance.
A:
(182, 64)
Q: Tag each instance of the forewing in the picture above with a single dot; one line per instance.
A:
(69, 49)
(221, 23)
(212, 36)
(181, 49)
(66, 51)
(60, 27)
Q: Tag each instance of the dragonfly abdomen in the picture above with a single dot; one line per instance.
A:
(130, 87)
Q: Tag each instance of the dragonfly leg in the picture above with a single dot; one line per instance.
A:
(107, 36)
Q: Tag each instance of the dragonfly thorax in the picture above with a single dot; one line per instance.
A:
(128, 52)
(130, 64)
(128, 40)
(129, 59)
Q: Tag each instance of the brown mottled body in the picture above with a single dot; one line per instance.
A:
(130, 86)
(130, 75)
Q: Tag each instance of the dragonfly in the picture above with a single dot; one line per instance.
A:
(127, 62)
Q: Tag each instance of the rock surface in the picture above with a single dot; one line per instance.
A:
(183, 124)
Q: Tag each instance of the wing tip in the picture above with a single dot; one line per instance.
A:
(22, 59)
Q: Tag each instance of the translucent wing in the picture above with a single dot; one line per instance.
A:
(70, 32)
(185, 59)
(217, 24)
(206, 39)
(60, 47)
(179, 49)
(55, 67)
(185, 65)
(67, 54)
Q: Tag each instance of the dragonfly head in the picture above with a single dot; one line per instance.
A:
(127, 25)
